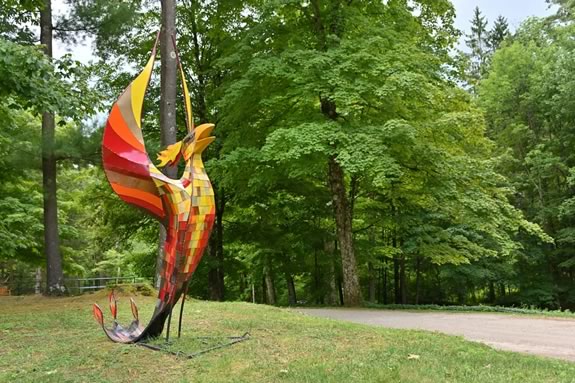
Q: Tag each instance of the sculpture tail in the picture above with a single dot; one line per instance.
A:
(135, 332)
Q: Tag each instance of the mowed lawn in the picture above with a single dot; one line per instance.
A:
(57, 340)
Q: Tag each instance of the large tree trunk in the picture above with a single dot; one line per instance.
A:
(168, 90)
(55, 277)
(341, 204)
(343, 221)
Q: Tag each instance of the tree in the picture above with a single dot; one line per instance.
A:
(55, 276)
(525, 97)
(478, 42)
(498, 33)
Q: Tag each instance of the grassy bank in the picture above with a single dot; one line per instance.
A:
(56, 340)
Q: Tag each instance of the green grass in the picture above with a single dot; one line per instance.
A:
(476, 309)
(56, 340)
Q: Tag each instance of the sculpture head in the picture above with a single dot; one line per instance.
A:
(193, 144)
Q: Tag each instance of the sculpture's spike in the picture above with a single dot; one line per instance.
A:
(134, 309)
(113, 304)
(97, 311)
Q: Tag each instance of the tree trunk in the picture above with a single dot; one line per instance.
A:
(343, 221)
(372, 282)
(269, 284)
(403, 281)
(417, 279)
(216, 272)
(54, 274)
(396, 283)
(38, 284)
(333, 294)
(491, 292)
(292, 299)
(372, 272)
(502, 289)
(168, 90)
(385, 280)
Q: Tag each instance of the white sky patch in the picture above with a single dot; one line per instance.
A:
(514, 10)
(83, 51)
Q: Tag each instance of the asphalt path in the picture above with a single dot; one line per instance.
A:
(543, 336)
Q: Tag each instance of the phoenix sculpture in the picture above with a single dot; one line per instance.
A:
(185, 206)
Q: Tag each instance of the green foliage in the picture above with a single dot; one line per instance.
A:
(455, 197)
(527, 98)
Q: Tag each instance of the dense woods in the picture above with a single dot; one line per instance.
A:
(359, 156)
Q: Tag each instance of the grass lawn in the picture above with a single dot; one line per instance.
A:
(57, 340)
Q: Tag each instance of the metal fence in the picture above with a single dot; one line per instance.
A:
(81, 285)
(27, 284)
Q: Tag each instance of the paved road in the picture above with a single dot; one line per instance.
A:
(541, 336)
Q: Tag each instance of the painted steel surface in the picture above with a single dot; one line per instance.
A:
(185, 206)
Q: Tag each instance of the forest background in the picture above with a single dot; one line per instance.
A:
(359, 156)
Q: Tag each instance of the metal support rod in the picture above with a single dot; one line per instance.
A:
(182, 308)
(169, 324)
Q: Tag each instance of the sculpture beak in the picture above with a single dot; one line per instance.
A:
(203, 137)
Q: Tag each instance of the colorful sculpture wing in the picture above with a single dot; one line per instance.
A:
(126, 163)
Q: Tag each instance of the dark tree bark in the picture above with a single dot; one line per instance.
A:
(333, 293)
(491, 297)
(341, 203)
(216, 284)
(396, 281)
(372, 282)
(292, 298)
(403, 280)
(385, 283)
(54, 274)
(417, 279)
(264, 294)
(343, 221)
(168, 79)
(269, 284)
(168, 91)
(372, 272)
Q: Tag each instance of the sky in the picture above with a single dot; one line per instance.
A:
(514, 10)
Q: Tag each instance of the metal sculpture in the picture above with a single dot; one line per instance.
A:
(184, 206)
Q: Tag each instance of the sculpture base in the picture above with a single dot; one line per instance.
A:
(165, 346)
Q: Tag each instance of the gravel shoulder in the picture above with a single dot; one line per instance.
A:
(548, 337)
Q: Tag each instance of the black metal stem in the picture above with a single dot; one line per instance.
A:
(182, 308)
(169, 324)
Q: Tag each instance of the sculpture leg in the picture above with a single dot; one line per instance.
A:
(182, 308)
(169, 324)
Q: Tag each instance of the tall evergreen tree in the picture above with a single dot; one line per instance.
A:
(498, 33)
(477, 41)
